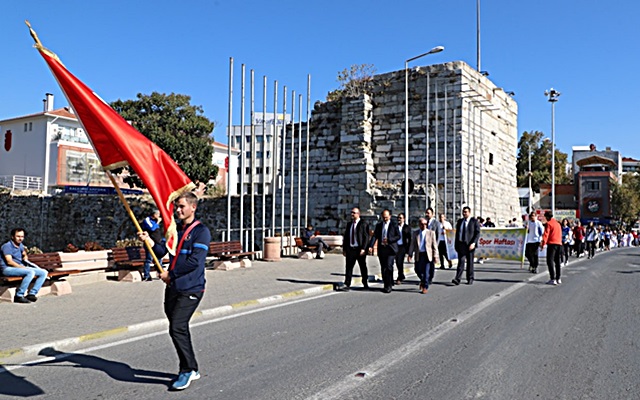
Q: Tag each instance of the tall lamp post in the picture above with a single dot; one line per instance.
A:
(552, 97)
(436, 49)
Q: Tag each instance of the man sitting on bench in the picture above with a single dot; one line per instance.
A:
(311, 239)
(14, 262)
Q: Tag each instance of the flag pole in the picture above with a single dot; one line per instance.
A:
(134, 219)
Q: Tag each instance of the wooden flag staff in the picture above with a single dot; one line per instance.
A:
(134, 220)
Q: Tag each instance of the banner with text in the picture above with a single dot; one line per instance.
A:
(504, 243)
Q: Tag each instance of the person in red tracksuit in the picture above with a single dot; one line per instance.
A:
(552, 238)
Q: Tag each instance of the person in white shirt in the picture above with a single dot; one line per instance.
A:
(535, 230)
(442, 240)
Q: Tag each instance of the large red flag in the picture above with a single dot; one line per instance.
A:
(118, 144)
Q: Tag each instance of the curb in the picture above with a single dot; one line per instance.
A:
(33, 350)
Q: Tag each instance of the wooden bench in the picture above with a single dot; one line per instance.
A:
(307, 251)
(50, 262)
(128, 262)
(225, 253)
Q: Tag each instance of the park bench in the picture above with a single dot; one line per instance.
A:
(307, 251)
(226, 254)
(128, 262)
(47, 261)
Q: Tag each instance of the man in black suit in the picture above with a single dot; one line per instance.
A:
(403, 246)
(354, 248)
(467, 236)
(386, 234)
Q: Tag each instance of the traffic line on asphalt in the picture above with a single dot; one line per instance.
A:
(154, 334)
(351, 382)
(33, 350)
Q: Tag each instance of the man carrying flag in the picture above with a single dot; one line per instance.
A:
(185, 283)
(118, 144)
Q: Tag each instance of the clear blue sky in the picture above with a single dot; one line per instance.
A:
(585, 49)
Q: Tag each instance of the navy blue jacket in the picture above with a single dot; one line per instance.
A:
(188, 274)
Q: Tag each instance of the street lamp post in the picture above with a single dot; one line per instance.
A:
(436, 49)
(552, 97)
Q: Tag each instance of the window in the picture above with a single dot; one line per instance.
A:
(524, 202)
(593, 186)
(490, 158)
(247, 170)
(259, 170)
(268, 154)
(30, 126)
(25, 126)
(268, 171)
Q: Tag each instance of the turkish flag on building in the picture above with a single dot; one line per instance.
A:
(118, 144)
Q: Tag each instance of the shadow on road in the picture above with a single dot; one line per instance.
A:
(16, 386)
(116, 370)
(305, 281)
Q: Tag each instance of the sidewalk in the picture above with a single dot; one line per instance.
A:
(109, 307)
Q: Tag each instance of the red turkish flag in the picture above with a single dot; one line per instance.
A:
(118, 144)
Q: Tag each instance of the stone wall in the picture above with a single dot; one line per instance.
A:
(52, 222)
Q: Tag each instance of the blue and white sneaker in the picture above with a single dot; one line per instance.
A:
(184, 380)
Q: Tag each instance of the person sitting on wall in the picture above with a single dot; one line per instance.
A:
(14, 262)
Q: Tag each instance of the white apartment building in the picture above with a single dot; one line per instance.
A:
(262, 171)
(47, 150)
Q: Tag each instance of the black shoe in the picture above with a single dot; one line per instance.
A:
(21, 300)
(430, 282)
(318, 258)
(470, 282)
(441, 267)
(31, 297)
(455, 282)
(387, 290)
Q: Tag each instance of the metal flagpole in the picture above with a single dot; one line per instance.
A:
(229, 128)
(293, 157)
(437, 185)
(454, 135)
(284, 163)
(253, 166)
(264, 157)
(274, 158)
(446, 156)
(299, 157)
(243, 159)
(306, 179)
(426, 158)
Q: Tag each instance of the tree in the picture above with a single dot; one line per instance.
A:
(177, 127)
(540, 149)
(625, 200)
(354, 81)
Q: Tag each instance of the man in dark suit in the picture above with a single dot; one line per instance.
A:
(354, 248)
(467, 236)
(403, 246)
(386, 234)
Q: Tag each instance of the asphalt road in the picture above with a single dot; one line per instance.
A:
(508, 336)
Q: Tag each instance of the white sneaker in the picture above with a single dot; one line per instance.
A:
(558, 281)
(552, 282)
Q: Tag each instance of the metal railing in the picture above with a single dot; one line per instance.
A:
(21, 182)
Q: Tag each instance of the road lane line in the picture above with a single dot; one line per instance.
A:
(154, 334)
(362, 375)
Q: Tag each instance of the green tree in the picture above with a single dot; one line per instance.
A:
(354, 81)
(625, 200)
(540, 149)
(177, 127)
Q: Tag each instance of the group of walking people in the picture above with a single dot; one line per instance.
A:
(395, 241)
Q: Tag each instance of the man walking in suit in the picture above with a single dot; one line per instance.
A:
(425, 249)
(403, 246)
(386, 234)
(467, 236)
(354, 245)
